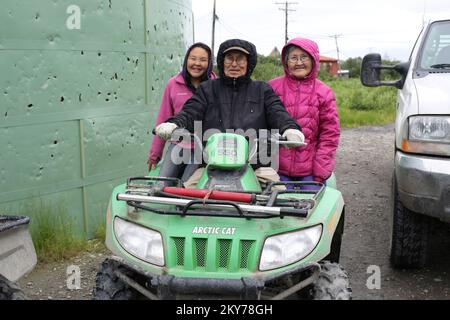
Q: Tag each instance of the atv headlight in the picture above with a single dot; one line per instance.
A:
(287, 248)
(141, 242)
(428, 135)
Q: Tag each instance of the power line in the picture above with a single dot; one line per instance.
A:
(230, 29)
(286, 11)
(203, 16)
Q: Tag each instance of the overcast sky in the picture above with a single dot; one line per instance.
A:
(389, 27)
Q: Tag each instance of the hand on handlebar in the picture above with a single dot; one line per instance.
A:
(294, 137)
(164, 130)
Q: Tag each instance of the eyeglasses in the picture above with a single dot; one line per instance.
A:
(295, 59)
(241, 60)
(195, 59)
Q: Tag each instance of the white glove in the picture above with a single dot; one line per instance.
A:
(295, 136)
(164, 130)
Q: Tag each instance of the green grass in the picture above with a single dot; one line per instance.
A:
(54, 234)
(357, 105)
(100, 233)
(351, 119)
(361, 106)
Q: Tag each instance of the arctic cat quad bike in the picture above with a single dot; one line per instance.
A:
(17, 255)
(227, 238)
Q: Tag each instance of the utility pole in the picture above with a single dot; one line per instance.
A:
(215, 17)
(336, 36)
(286, 10)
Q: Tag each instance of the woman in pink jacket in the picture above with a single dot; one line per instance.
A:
(197, 67)
(313, 105)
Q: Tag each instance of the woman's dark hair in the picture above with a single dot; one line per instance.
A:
(206, 75)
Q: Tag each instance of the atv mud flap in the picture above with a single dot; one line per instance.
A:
(169, 287)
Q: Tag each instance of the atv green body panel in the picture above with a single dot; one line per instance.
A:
(227, 151)
(221, 247)
(218, 247)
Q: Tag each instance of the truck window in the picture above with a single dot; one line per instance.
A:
(436, 50)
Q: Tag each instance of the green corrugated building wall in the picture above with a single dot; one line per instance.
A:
(80, 87)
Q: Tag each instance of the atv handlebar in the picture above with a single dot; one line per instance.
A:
(283, 141)
(276, 138)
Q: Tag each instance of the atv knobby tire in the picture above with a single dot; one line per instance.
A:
(10, 291)
(110, 287)
(409, 237)
(332, 284)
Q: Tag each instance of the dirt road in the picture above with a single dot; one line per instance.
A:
(364, 169)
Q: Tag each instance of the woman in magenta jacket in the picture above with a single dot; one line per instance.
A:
(197, 67)
(313, 105)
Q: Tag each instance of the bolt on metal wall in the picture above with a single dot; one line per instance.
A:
(81, 82)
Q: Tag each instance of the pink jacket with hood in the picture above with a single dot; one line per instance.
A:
(313, 106)
(176, 93)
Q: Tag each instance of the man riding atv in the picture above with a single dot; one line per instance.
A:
(234, 101)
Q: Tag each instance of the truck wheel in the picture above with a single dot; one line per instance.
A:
(109, 287)
(409, 235)
(332, 284)
(335, 250)
(10, 291)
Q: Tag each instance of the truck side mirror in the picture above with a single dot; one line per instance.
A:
(370, 72)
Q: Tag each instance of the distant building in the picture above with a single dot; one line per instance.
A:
(275, 53)
(345, 74)
(329, 65)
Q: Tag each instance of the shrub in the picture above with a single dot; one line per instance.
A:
(267, 68)
(357, 105)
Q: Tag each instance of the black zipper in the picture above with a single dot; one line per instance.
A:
(233, 99)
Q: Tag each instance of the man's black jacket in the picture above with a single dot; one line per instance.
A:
(248, 105)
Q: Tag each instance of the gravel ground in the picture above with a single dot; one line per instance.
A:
(364, 169)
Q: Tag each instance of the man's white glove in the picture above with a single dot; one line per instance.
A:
(164, 130)
(294, 136)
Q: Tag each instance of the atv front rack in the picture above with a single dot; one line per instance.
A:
(265, 205)
(135, 200)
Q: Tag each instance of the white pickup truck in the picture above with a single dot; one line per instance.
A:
(421, 179)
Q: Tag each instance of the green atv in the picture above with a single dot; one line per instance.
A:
(227, 238)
